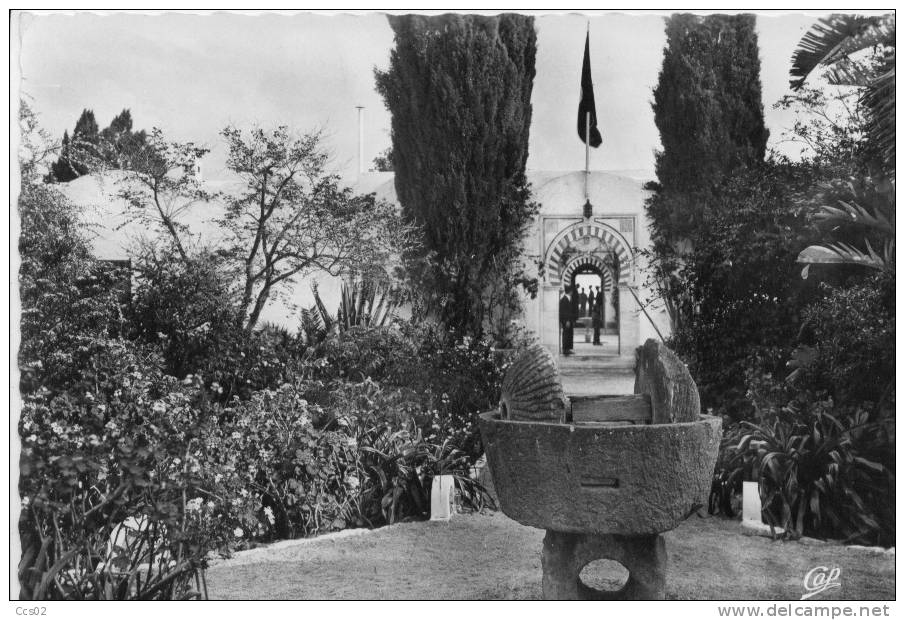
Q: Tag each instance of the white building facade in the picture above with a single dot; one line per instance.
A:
(565, 242)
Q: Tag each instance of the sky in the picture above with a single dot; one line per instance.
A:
(191, 75)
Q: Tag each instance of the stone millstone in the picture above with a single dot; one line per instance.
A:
(532, 389)
(664, 377)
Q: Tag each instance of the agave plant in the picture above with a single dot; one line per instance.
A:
(366, 303)
(822, 474)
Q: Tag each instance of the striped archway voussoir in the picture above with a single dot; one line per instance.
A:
(589, 260)
(610, 239)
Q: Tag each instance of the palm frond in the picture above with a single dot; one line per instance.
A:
(853, 213)
(325, 315)
(836, 37)
(848, 72)
(846, 254)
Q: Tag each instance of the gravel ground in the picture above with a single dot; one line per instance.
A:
(489, 556)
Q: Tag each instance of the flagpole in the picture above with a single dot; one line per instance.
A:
(587, 138)
(587, 152)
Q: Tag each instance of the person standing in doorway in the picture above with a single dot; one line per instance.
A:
(583, 302)
(591, 300)
(597, 314)
(566, 320)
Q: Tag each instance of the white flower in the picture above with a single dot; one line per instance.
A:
(31, 438)
(56, 428)
(89, 395)
(238, 532)
(158, 407)
(236, 435)
(268, 512)
(194, 505)
(25, 501)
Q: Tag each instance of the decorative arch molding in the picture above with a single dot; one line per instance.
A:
(587, 235)
(590, 260)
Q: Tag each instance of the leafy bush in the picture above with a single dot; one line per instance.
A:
(849, 349)
(447, 381)
(733, 289)
(188, 308)
(457, 379)
(69, 300)
(358, 353)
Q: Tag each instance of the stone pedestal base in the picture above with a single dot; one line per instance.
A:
(566, 554)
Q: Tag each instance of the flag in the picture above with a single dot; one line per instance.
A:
(587, 99)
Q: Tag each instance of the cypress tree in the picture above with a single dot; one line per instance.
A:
(119, 144)
(707, 107)
(86, 130)
(62, 171)
(79, 151)
(459, 91)
(90, 149)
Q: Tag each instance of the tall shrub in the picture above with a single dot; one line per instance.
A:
(459, 91)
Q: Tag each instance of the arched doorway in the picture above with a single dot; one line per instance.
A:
(591, 254)
(597, 326)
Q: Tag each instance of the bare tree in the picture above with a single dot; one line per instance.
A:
(292, 218)
(161, 184)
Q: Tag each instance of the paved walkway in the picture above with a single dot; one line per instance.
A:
(592, 384)
(584, 374)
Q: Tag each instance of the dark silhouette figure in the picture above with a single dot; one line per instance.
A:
(566, 321)
(597, 314)
(582, 302)
(591, 301)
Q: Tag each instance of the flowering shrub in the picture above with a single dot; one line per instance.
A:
(94, 458)
(284, 477)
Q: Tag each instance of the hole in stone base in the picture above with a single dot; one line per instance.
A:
(604, 575)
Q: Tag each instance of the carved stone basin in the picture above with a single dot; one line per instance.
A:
(596, 479)
(604, 475)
